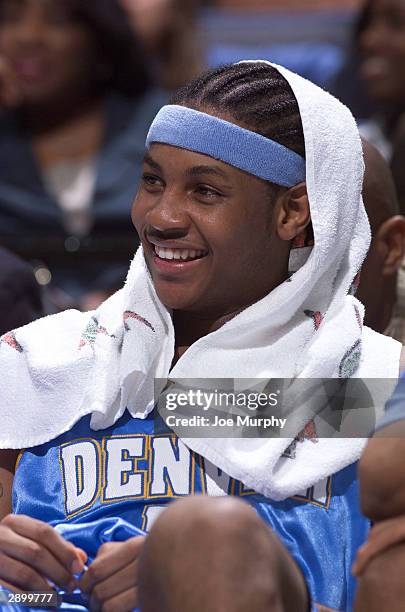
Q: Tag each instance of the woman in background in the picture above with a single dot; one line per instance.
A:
(73, 135)
(372, 82)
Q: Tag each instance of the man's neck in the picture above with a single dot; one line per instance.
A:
(190, 327)
(379, 317)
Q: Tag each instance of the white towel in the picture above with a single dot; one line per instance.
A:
(60, 368)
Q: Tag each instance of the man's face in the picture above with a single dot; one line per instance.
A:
(382, 49)
(208, 232)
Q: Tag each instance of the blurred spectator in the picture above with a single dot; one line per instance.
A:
(376, 67)
(20, 296)
(382, 281)
(373, 85)
(72, 138)
(167, 31)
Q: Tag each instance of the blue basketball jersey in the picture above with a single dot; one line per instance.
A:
(108, 485)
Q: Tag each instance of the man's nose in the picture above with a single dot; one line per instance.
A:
(168, 215)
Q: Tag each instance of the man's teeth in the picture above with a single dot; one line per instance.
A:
(183, 254)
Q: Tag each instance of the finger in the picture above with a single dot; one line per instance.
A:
(44, 534)
(124, 602)
(82, 554)
(21, 576)
(381, 539)
(128, 549)
(121, 581)
(111, 558)
(10, 587)
(36, 556)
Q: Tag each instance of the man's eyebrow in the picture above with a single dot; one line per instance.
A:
(197, 170)
(147, 159)
(191, 172)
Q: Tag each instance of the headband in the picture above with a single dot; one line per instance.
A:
(196, 131)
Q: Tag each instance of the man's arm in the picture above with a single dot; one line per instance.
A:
(382, 486)
(8, 459)
(382, 466)
(382, 473)
(31, 552)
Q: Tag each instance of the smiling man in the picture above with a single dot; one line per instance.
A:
(253, 229)
(197, 237)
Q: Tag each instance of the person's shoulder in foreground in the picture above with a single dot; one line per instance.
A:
(382, 467)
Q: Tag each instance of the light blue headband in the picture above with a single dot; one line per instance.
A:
(190, 129)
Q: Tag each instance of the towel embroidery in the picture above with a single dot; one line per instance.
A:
(12, 341)
(350, 360)
(316, 316)
(355, 285)
(128, 314)
(91, 332)
(308, 433)
(358, 316)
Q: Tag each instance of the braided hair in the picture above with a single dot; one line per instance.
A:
(255, 94)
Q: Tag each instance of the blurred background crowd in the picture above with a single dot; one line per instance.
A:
(80, 83)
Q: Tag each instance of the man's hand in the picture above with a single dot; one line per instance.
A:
(111, 580)
(382, 536)
(32, 553)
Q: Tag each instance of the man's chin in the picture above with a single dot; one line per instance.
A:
(176, 300)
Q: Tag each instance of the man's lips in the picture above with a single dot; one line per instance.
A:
(175, 256)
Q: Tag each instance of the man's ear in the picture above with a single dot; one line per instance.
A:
(293, 214)
(390, 239)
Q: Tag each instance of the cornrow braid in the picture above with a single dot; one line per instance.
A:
(254, 94)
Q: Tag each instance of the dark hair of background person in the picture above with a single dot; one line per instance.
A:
(379, 272)
(178, 47)
(168, 32)
(255, 94)
(347, 85)
(123, 66)
(20, 295)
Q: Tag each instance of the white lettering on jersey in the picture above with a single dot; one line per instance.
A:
(150, 514)
(141, 466)
(80, 464)
(123, 480)
(170, 468)
(217, 482)
(321, 492)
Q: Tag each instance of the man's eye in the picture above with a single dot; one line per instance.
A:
(208, 192)
(151, 180)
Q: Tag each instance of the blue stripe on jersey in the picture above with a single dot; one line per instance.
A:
(84, 480)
